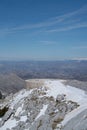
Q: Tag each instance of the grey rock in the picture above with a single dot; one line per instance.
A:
(57, 119)
(71, 106)
(51, 109)
(60, 98)
(1, 123)
(62, 107)
(43, 123)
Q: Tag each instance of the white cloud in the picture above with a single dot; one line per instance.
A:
(79, 47)
(68, 18)
(67, 28)
(53, 21)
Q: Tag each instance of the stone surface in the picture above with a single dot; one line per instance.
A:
(26, 110)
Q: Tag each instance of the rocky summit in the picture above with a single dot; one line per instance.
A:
(50, 106)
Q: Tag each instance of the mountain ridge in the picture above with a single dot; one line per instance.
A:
(51, 106)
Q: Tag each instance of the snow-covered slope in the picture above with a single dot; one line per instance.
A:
(52, 106)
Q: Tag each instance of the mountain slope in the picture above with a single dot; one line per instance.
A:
(11, 83)
(52, 106)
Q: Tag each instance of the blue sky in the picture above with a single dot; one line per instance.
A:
(43, 29)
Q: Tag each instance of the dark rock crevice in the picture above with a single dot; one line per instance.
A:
(3, 111)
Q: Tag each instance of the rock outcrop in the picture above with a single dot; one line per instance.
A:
(37, 113)
(36, 109)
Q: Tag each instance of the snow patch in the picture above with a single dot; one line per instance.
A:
(56, 87)
(74, 94)
(19, 110)
(23, 118)
(19, 96)
(9, 124)
(73, 114)
(42, 111)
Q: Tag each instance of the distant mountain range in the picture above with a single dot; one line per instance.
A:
(64, 69)
(13, 73)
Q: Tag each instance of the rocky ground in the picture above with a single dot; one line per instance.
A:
(50, 106)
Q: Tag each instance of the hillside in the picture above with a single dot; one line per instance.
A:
(11, 83)
(50, 106)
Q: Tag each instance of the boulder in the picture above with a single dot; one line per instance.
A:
(60, 98)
